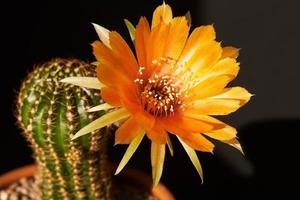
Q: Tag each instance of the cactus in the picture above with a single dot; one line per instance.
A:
(50, 112)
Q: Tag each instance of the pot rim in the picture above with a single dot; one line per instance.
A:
(130, 175)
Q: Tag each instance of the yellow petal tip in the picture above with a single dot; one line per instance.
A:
(117, 172)
(103, 34)
(75, 137)
(87, 82)
(130, 151)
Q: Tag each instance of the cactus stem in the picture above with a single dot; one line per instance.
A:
(50, 113)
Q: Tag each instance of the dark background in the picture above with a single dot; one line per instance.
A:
(266, 31)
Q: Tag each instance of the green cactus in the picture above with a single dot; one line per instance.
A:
(50, 113)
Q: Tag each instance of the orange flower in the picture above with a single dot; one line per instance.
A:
(173, 84)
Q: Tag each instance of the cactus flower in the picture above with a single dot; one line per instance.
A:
(173, 84)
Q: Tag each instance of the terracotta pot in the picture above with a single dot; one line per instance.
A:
(131, 176)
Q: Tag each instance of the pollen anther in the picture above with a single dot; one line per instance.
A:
(159, 96)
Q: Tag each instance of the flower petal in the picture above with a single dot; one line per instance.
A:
(130, 151)
(146, 120)
(191, 135)
(123, 54)
(218, 76)
(214, 106)
(234, 143)
(157, 43)
(142, 35)
(157, 161)
(104, 106)
(226, 66)
(131, 29)
(193, 157)
(235, 93)
(198, 38)
(127, 132)
(189, 123)
(162, 13)
(230, 52)
(198, 141)
(95, 63)
(223, 104)
(130, 99)
(210, 87)
(176, 38)
(188, 17)
(102, 53)
(109, 64)
(110, 96)
(88, 82)
(202, 60)
(103, 34)
(112, 58)
(213, 80)
(170, 146)
(223, 134)
(157, 134)
(112, 77)
(205, 118)
(103, 121)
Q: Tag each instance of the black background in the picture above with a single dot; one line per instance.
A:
(268, 33)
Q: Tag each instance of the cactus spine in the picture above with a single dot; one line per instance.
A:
(50, 113)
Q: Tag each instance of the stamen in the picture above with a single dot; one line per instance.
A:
(141, 70)
(159, 96)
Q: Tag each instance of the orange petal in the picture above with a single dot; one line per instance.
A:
(157, 134)
(171, 45)
(223, 104)
(226, 66)
(198, 142)
(110, 96)
(235, 93)
(112, 77)
(207, 88)
(127, 132)
(102, 52)
(214, 106)
(158, 40)
(194, 140)
(156, 46)
(202, 60)
(162, 13)
(194, 125)
(122, 90)
(145, 120)
(169, 126)
(198, 38)
(130, 100)
(107, 58)
(191, 124)
(123, 54)
(230, 52)
(176, 38)
(226, 133)
(142, 35)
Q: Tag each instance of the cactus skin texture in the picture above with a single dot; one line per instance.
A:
(50, 113)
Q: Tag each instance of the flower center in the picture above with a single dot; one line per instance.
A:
(160, 96)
